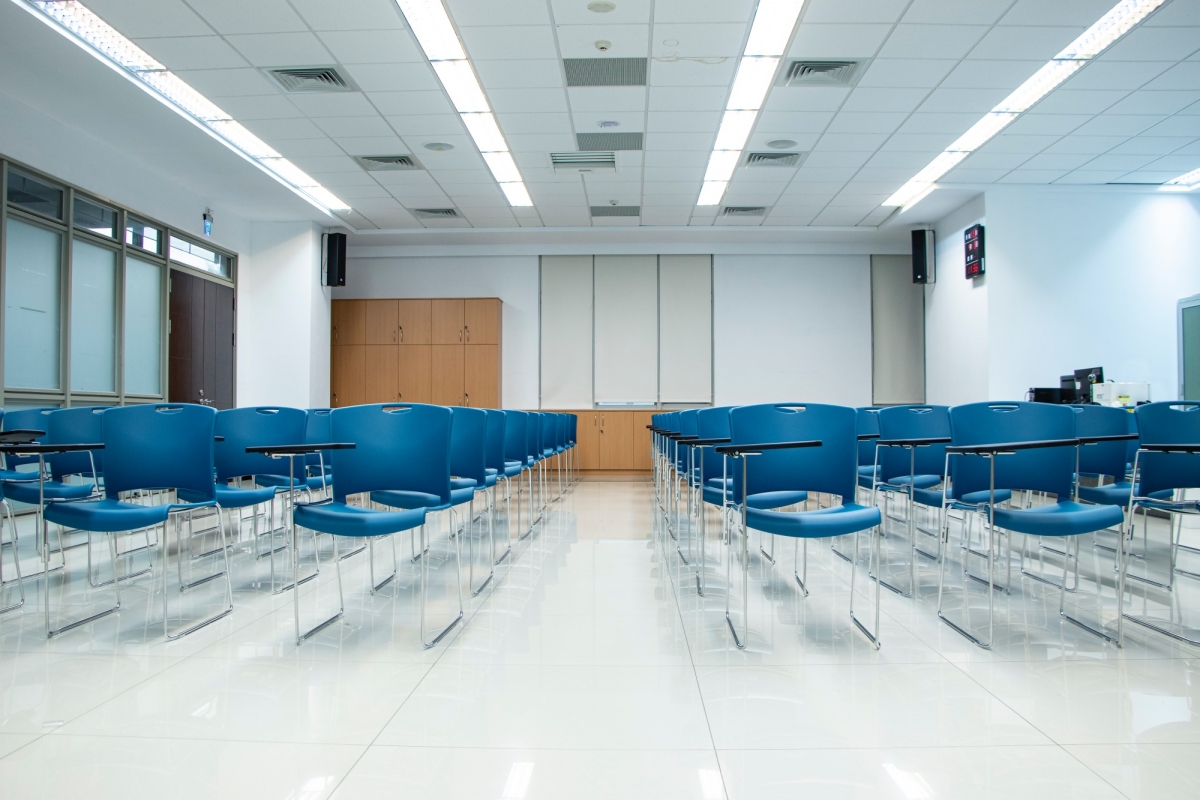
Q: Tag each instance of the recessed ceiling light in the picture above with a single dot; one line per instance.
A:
(438, 146)
(781, 144)
(608, 123)
(1184, 183)
(602, 7)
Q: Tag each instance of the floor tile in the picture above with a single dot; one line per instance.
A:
(1145, 771)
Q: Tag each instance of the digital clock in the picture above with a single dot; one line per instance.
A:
(973, 241)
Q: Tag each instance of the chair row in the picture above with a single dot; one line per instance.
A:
(813, 471)
(364, 472)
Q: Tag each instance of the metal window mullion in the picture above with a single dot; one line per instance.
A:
(64, 321)
(119, 333)
(3, 273)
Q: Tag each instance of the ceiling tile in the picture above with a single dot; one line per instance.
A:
(839, 217)
(372, 47)
(860, 122)
(373, 192)
(806, 98)
(899, 160)
(939, 123)
(1056, 161)
(676, 158)
(1149, 175)
(372, 145)
(1118, 124)
(478, 177)
(281, 49)
(931, 142)
(687, 72)
(1006, 143)
(675, 140)
(850, 159)
(659, 175)
(228, 82)
(275, 130)
(858, 11)
(335, 180)
(984, 74)
(837, 41)
(398, 103)
(804, 141)
(793, 121)
(707, 10)
(960, 12)
(540, 142)
(238, 16)
(867, 99)
(510, 12)
(360, 15)
(335, 104)
(193, 52)
(698, 40)
(1115, 162)
(1177, 164)
(923, 41)
(1080, 13)
(1155, 44)
(160, 18)
(1174, 126)
(259, 107)
(519, 73)
(1101, 74)
(410, 76)
(1178, 13)
(1094, 145)
(698, 98)
(535, 123)
(526, 101)
(976, 101)
(1032, 176)
(1060, 124)
(294, 148)
(436, 125)
(607, 98)
(1004, 161)
(1069, 101)
(501, 42)
(354, 127)
(589, 121)
(683, 121)
(961, 175)
(1189, 149)
(339, 163)
(906, 72)
(1156, 102)
(1184, 76)
(1087, 176)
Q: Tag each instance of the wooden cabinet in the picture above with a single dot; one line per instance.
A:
(616, 440)
(346, 380)
(414, 373)
(379, 320)
(414, 321)
(642, 457)
(448, 374)
(348, 319)
(587, 440)
(481, 375)
(448, 321)
(481, 320)
(380, 378)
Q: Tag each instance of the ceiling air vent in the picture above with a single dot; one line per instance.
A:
(743, 211)
(311, 79)
(583, 162)
(616, 211)
(434, 213)
(386, 163)
(821, 73)
(775, 159)
(608, 141)
(605, 71)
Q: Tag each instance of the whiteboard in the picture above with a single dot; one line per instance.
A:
(626, 329)
(566, 332)
(685, 329)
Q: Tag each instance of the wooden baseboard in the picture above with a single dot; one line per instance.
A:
(614, 474)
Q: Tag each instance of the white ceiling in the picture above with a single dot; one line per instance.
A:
(1131, 116)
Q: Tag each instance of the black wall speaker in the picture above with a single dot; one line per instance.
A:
(922, 257)
(335, 259)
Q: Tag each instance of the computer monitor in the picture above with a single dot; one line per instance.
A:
(1084, 378)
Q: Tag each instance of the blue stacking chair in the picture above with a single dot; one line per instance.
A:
(24, 419)
(401, 459)
(534, 459)
(548, 443)
(572, 441)
(468, 466)
(867, 430)
(317, 431)
(797, 447)
(671, 432)
(149, 447)
(1026, 446)
(910, 455)
(500, 469)
(712, 429)
(12, 544)
(1167, 460)
(516, 459)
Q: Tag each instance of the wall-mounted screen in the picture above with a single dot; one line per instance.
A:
(973, 241)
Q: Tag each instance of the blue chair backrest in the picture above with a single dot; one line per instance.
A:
(866, 422)
(514, 435)
(255, 426)
(1175, 422)
(913, 422)
(560, 432)
(26, 419)
(687, 427)
(468, 444)
(1048, 469)
(572, 428)
(533, 435)
(1132, 445)
(401, 447)
(496, 422)
(1103, 458)
(75, 426)
(713, 423)
(159, 446)
(548, 430)
(830, 468)
(317, 431)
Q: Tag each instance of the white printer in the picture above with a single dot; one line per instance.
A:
(1120, 395)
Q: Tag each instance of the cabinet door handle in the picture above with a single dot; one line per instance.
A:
(401, 334)
(460, 333)
(466, 399)
(335, 333)
(468, 330)
(393, 336)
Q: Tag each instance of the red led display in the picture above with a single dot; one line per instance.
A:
(973, 240)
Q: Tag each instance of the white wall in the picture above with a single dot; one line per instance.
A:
(1083, 279)
(956, 315)
(792, 328)
(514, 279)
(283, 318)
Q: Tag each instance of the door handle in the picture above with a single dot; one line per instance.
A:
(401, 334)
(460, 332)
(466, 399)
(393, 336)
(468, 330)
(335, 333)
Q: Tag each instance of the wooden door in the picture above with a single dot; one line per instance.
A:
(347, 373)
(642, 457)
(616, 440)
(587, 440)
(380, 322)
(481, 375)
(380, 373)
(415, 372)
(448, 374)
(481, 320)
(349, 322)
(415, 321)
(447, 316)
(202, 346)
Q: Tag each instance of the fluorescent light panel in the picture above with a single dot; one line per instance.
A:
(1120, 19)
(770, 32)
(87, 30)
(1184, 182)
(435, 33)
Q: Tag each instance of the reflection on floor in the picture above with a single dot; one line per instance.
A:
(591, 668)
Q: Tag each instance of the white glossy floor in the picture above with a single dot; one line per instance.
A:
(590, 668)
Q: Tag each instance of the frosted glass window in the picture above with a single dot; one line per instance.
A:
(92, 216)
(685, 329)
(33, 258)
(200, 257)
(142, 236)
(93, 318)
(626, 329)
(143, 315)
(34, 195)
(566, 332)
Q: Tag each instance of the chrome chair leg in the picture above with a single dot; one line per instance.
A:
(45, 542)
(375, 587)
(12, 544)
(874, 551)
(425, 592)
(507, 517)
(224, 551)
(337, 569)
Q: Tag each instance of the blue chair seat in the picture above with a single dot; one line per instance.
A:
(869, 470)
(714, 495)
(512, 468)
(462, 483)
(107, 516)
(27, 491)
(341, 519)
(393, 498)
(765, 500)
(233, 496)
(716, 483)
(825, 522)
(20, 476)
(281, 481)
(1116, 494)
(933, 497)
(919, 481)
(1065, 518)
